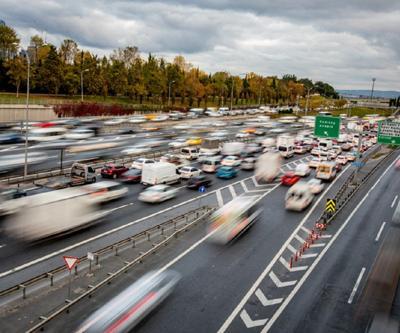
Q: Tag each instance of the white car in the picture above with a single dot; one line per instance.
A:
(178, 143)
(137, 149)
(277, 130)
(189, 172)
(140, 162)
(242, 135)
(302, 170)
(231, 161)
(315, 151)
(115, 121)
(104, 191)
(158, 193)
(314, 162)
(316, 185)
(137, 120)
(300, 149)
(342, 159)
(79, 134)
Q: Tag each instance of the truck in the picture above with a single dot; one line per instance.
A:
(285, 145)
(210, 147)
(233, 148)
(326, 170)
(268, 167)
(325, 144)
(160, 173)
(81, 174)
(52, 213)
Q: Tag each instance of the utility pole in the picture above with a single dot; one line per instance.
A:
(259, 93)
(372, 89)
(358, 159)
(232, 93)
(27, 116)
(308, 97)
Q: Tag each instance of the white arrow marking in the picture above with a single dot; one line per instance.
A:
(265, 301)
(293, 269)
(279, 283)
(250, 322)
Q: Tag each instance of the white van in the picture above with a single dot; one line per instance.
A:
(286, 151)
(298, 197)
(325, 144)
(210, 165)
(160, 173)
(190, 153)
(326, 171)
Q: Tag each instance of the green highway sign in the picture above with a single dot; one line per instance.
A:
(327, 127)
(389, 132)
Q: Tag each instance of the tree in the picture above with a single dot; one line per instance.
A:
(17, 71)
(9, 42)
(68, 51)
(50, 72)
(127, 55)
(289, 77)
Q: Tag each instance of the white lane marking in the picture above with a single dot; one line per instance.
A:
(244, 185)
(251, 191)
(219, 199)
(265, 301)
(292, 167)
(378, 235)
(9, 148)
(309, 255)
(318, 245)
(253, 178)
(100, 139)
(291, 249)
(326, 236)
(116, 208)
(301, 240)
(298, 162)
(262, 276)
(394, 201)
(353, 292)
(307, 231)
(279, 283)
(315, 263)
(232, 190)
(250, 322)
(2, 245)
(294, 268)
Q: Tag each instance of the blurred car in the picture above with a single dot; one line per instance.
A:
(338, 167)
(289, 178)
(188, 172)
(15, 161)
(111, 170)
(259, 132)
(298, 197)
(350, 157)
(126, 310)
(126, 130)
(140, 162)
(302, 170)
(158, 193)
(105, 191)
(79, 134)
(253, 148)
(314, 162)
(300, 149)
(171, 158)
(136, 149)
(316, 185)
(346, 146)
(178, 143)
(231, 161)
(248, 163)
(8, 204)
(194, 141)
(342, 159)
(155, 142)
(242, 135)
(226, 172)
(115, 121)
(233, 219)
(132, 176)
(6, 138)
(137, 120)
(197, 181)
(397, 165)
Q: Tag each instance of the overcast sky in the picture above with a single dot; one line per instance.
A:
(343, 42)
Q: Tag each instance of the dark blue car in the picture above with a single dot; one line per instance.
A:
(226, 172)
(10, 138)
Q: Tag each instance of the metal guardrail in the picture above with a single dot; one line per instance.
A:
(131, 241)
(111, 276)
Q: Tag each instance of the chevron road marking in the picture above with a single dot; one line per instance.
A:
(293, 269)
(265, 301)
(318, 245)
(307, 231)
(219, 198)
(279, 283)
(244, 185)
(291, 249)
(301, 240)
(309, 255)
(232, 190)
(250, 322)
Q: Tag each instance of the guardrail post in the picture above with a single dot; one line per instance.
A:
(162, 230)
(76, 269)
(116, 250)
(97, 259)
(23, 290)
(51, 276)
(133, 243)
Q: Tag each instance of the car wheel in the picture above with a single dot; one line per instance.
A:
(93, 179)
(114, 176)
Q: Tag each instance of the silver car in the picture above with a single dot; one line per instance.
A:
(126, 310)
(158, 193)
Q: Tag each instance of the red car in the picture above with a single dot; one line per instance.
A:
(289, 178)
(112, 170)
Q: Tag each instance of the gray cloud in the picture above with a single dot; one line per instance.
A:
(342, 42)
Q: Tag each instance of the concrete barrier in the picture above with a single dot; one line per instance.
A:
(17, 112)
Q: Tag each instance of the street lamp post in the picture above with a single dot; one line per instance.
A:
(308, 97)
(82, 71)
(27, 116)
(233, 82)
(169, 91)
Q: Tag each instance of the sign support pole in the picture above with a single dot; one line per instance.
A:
(358, 157)
(69, 285)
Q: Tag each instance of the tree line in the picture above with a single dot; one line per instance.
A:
(149, 80)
